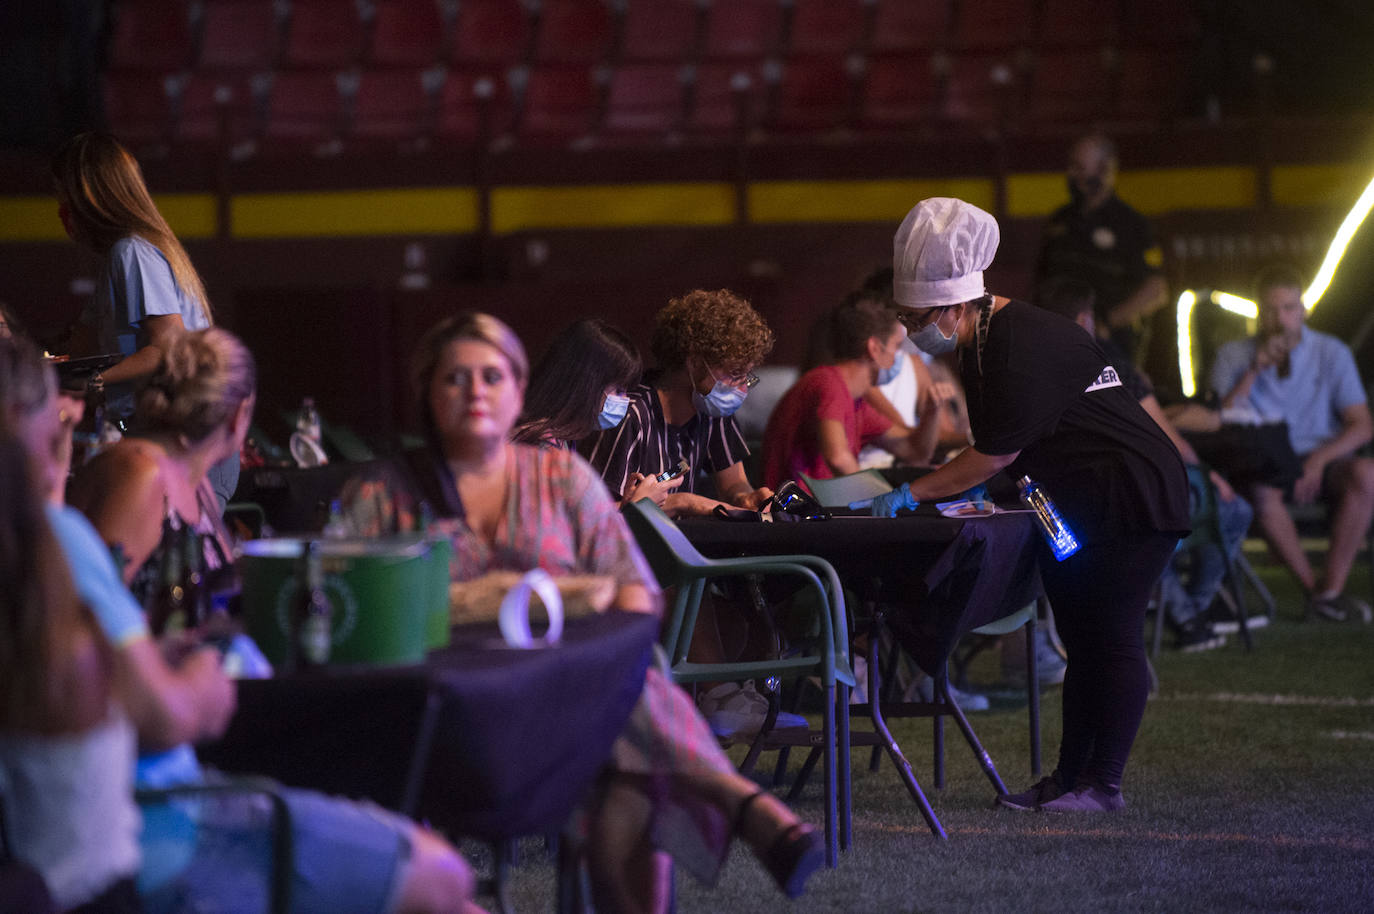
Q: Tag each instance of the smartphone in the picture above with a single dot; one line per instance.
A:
(674, 473)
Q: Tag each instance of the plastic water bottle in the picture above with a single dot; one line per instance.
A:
(1057, 533)
(311, 620)
(308, 421)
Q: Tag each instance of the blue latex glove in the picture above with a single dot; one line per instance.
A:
(887, 504)
(977, 496)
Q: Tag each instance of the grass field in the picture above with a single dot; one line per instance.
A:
(1251, 788)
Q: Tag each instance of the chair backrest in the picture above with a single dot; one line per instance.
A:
(841, 490)
(665, 547)
(1202, 515)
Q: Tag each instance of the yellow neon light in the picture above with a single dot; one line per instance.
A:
(1248, 309)
(1236, 305)
(1344, 234)
(1186, 301)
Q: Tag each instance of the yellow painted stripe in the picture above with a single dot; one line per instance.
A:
(425, 211)
(857, 201)
(30, 219)
(1317, 185)
(1034, 195)
(611, 206)
(189, 215)
(1160, 190)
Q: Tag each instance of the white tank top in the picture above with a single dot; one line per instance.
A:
(69, 807)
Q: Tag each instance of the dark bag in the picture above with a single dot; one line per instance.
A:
(1250, 454)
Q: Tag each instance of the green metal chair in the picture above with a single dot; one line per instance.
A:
(677, 564)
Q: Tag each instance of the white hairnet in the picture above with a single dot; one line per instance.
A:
(940, 252)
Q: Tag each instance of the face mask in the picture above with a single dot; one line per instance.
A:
(613, 411)
(722, 401)
(889, 374)
(1079, 191)
(931, 340)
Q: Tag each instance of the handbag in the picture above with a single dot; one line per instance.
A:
(789, 503)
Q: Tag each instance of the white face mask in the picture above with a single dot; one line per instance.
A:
(931, 340)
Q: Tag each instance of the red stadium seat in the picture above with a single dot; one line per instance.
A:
(827, 26)
(644, 98)
(560, 103)
(1151, 84)
(406, 33)
(490, 32)
(1069, 85)
(463, 101)
(391, 105)
(993, 23)
(238, 34)
(815, 93)
(303, 105)
(1161, 22)
(898, 92)
(662, 30)
(743, 28)
(716, 90)
(901, 25)
(981, 89)
(150, 36)
(574, 31)
(214, 103)
(323, 33)
(138, 106)
(1070, 23)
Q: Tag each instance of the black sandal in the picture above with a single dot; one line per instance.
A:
(796, 853)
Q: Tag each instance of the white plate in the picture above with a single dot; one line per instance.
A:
(966, 509)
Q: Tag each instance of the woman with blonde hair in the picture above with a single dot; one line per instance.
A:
(148, 292)
(668, 792)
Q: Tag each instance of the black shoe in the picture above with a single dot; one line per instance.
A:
(1223, 622)
(1196, 635)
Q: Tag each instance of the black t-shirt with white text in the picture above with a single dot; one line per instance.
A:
(1047, 390)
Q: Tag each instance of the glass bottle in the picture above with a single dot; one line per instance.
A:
(167, 608)
(1057, 533)
(311, 628)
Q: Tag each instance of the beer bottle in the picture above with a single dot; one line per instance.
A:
(167, 608)
(311, 634)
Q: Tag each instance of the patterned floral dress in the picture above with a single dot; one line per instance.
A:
(560, 517)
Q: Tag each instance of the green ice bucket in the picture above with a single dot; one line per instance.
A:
(381, 592)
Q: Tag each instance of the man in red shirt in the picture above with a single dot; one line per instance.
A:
(820, 424)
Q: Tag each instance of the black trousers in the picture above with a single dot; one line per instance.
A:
(1099, 596)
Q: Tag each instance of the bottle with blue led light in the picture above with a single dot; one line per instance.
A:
(1057, 533)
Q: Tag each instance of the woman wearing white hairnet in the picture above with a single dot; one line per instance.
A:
(1044, 402)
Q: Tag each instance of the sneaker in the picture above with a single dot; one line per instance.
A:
(1354, 609)
(735, 711)
(1223, 622)
(1328, 608)
(1087, 798)
(1195, 636)
(924, 690)
(1042, 791)
(1050, 665)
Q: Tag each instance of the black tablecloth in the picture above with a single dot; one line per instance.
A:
(519, 734)
(942, 576)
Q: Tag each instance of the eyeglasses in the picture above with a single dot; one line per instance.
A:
(916, 321)
(744, 380)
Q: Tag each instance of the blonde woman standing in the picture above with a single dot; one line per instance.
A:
(148, 292)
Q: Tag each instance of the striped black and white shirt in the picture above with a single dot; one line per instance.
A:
(645, 443)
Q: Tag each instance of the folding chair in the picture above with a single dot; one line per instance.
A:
(1205, 521)
(881, 704)
(677, 564)
(185, 803)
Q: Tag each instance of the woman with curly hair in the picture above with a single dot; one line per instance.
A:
(706, 344)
